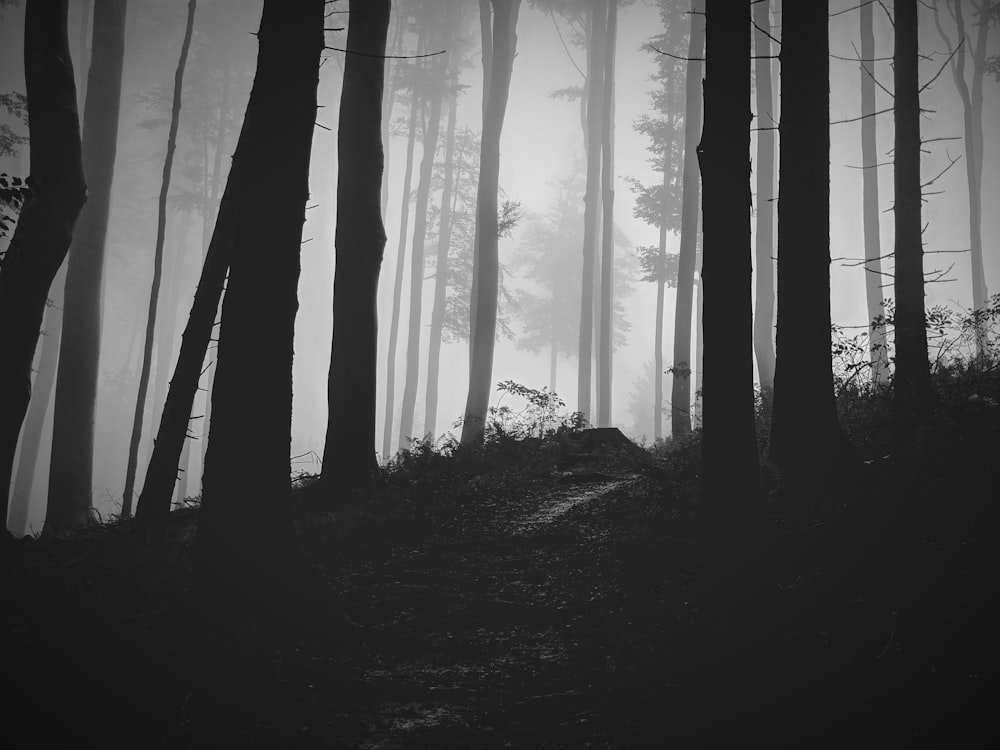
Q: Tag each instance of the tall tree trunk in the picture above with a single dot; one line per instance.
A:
(349, 455)
(763, 323)
(591, 199)
(658, 361)
(388, 106)
(878, 353)
(154, 293)
(38, 409)
(441, 263)
(912, 389)
(220, 135)
(486, 281)
(730, 467)
(72, 462)
(553, 364)
(606, 337)
(247, 562)
(805, 434)
(170, 304)
(45, 226)
(416, 105)
(680, 392)
(417, 269)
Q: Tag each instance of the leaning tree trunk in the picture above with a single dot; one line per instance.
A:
(878, 353)
(805, 434)
(72, 462)
(763, 322)
(246, 556)
(46, 223)
(680, 392)
(349, 455)
(417, 270)
(154, 293)
(487, 276)
(606, 337)
(591, 202)
(730, 468)
(397, 288)
(912, 389)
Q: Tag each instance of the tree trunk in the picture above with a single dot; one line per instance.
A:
(658, 362)
(72, 462)
(730, 468)
(912, 389)
(417, 270)
(170, 303)
(879, 355)
(247, 562)
(349, 454)
(591, 200)
(441, 263)
(154, 293)
(487, 277)
(763, 323)
(680, 392)
(45, 227)
(397, 288)
(805, 435)
(606, 337)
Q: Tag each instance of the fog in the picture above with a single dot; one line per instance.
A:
(542, 149)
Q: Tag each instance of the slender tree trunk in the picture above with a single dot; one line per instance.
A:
(349, 455)
(388, 106)
(870, 200)
(553, 364)
(730, 468)
(417, 269)
(45, 226)
(658, 362)
(487, 277)
(397, 288)
(805, 434)
(680, 392)
(591, 200)
(220, 136)
(912, 389)
(170, 304)
(763, 323)
(247, 562)
(154, 294)
(608, 220)
(441, 263)
(83, 61)
(38, 409)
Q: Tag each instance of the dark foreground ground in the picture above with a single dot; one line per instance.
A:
(563, 604)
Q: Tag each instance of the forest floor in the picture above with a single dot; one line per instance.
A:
(542, 605)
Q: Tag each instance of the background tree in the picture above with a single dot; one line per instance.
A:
(486, 268)
(45, 226)
(246, 555)
(72, 461)
(730, 467)
(912, 389)
(349, 454)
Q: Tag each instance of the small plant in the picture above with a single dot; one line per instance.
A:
(541, 416)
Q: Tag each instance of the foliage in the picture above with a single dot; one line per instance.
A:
(16, 105)
(13, 193)
(656, 266)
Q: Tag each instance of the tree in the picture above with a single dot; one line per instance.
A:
(71, 464)
(912, 389)
(680, 393)
(486, 268)
(605, 345)
(47, 221)
(805, 434)
(349, 455)
(763, 321)
(878, 351)
(246, 555)
(730, 467)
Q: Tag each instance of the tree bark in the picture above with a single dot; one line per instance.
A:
(730, 467)
(154, 293)
(606, 338)
(486, 280)
(878, 352)
(763, 322)
(247, 562)
(680, 392)
(349, 454)
(45, 227)
(912, 389)
(805, 434)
